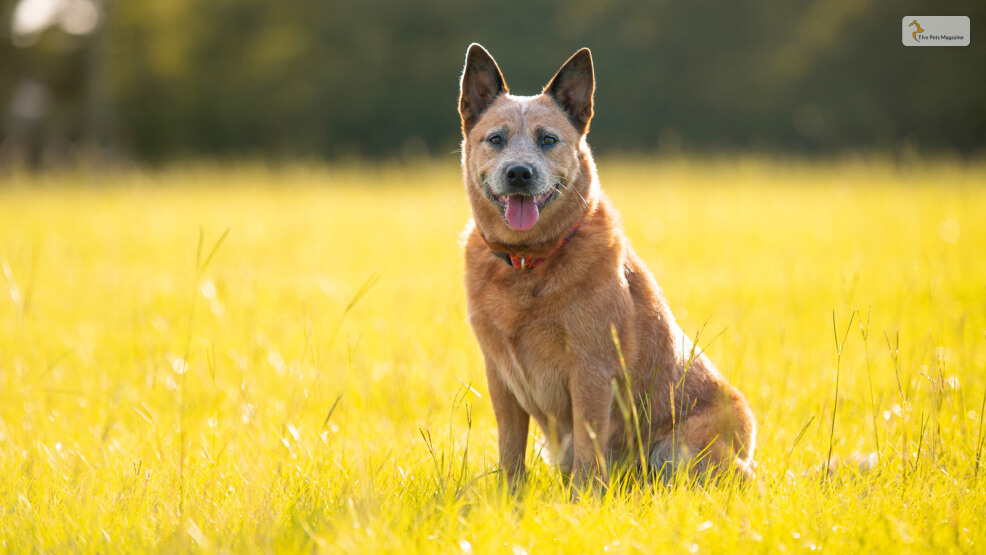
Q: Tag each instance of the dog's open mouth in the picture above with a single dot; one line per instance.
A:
(522, 211)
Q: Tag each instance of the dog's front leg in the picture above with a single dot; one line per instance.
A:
(592, 399)
(512, 424)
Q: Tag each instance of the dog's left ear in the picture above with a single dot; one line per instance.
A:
(572, 89)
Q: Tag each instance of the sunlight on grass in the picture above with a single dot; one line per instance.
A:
(311, 381)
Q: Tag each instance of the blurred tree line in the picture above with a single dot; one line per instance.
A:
(156, 80)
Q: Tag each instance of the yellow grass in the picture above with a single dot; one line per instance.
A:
(149, 402)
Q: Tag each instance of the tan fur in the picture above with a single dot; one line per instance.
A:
(545, 332)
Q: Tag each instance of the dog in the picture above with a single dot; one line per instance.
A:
(573, 328)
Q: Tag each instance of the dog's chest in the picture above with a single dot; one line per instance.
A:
(521, 324)
(537, 366)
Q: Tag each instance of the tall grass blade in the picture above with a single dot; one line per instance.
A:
(360, 293)
(838, 368)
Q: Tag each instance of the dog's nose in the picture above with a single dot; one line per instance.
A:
(519, 177)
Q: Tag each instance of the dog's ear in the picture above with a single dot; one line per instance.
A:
(572, 89)
(481, 83)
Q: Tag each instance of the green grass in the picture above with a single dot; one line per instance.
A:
(314, 385)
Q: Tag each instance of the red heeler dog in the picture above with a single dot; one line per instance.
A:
(556, 295)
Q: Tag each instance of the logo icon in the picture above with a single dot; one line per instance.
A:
(919, 30)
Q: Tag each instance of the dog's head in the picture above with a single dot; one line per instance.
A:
(526, 163)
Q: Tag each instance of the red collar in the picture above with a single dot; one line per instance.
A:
(524, 263)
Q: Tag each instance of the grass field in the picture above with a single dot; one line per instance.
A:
(310, 382)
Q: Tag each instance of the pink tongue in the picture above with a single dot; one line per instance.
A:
(522, 211)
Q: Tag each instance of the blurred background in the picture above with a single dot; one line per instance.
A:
(154, 81)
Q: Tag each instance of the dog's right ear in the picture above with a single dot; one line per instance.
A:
(481, 83)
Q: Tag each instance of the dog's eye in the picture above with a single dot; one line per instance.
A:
(549, 140)
(495, 140)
